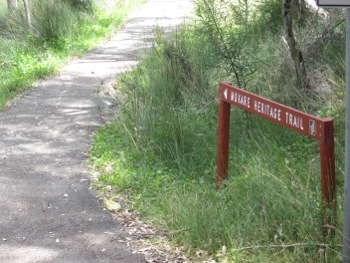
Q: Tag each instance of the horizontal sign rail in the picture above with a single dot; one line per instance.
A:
(301, 122)
(278, 113)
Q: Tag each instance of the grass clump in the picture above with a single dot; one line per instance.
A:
(162, 146)
(160, 106)
(60, 30)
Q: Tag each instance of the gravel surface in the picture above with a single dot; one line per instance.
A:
(47, 212)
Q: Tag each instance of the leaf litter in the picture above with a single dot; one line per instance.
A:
(153, 245)
(143, 238)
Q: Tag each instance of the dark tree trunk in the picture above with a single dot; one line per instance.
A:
(295, 51)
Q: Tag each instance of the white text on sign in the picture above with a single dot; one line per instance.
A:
(264, 108)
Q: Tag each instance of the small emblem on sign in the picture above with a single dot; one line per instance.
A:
(225, 93)
(312, 127)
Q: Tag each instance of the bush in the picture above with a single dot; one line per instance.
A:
(227, 28)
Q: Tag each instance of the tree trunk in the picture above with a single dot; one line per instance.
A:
(300, 8)
(295, 52)
(27, 10)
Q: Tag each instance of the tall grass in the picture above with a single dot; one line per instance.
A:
(60, 29)
(168, 100)
(162, 148)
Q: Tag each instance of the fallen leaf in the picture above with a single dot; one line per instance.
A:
(111, 205)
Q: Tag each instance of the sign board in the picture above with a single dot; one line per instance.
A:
(301, 122)
(283, 115)
(333, 3)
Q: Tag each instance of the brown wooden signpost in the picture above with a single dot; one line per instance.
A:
(317, 128)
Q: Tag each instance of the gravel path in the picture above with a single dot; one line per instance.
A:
(47, 212)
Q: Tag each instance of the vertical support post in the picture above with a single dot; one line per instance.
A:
(223, 141)
(328, 164)
(346, 231)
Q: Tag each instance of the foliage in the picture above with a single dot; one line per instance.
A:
(269, 16)
(227, 26)
(60, 31)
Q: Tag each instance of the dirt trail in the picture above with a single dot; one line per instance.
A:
(47, 212)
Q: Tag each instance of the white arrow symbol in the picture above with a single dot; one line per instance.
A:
(225, 94)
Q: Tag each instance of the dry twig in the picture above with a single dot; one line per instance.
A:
(169, 233)
(295, 245)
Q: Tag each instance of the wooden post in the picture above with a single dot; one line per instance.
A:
(328, 163)
(223, 141)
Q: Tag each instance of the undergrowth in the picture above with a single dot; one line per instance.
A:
(60, 31)
(162, 146)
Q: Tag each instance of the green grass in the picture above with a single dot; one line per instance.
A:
(61, 33)
(269, 199)
(161, 150)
